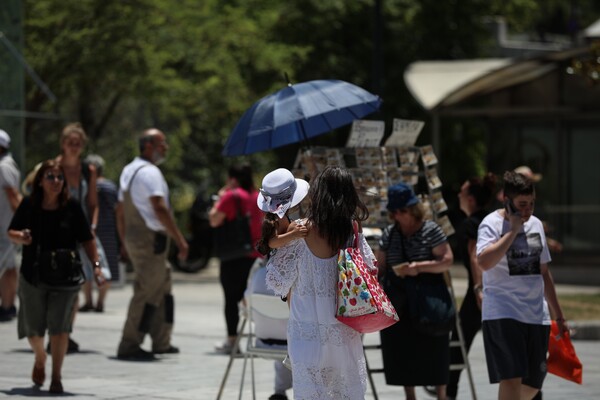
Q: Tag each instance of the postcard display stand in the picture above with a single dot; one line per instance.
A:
(374, 169)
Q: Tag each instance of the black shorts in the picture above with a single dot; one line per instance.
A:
(514, 349)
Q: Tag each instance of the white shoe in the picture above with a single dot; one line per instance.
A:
(287, 362)
(225, 347)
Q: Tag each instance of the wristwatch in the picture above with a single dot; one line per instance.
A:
(96, 264)
(477, 288)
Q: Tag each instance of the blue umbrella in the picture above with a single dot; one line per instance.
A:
(299, 112)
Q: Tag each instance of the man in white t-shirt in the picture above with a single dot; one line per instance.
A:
(512, 251)
(144, 222)
(9, 201)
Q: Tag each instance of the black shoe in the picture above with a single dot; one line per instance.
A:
(86, 307)
(137, 355)
(7, 314)
(278, 397)
(170, 350)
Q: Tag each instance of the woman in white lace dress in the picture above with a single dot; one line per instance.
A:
(327, 356)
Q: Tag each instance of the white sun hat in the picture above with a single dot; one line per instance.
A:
(280, 191)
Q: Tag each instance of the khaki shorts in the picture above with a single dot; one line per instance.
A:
(43, 308)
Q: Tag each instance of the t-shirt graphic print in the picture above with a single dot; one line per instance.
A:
(523, 256)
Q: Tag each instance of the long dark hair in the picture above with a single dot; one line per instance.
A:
(334, 204)
(482, 189)
(37, 193)
(268, 230)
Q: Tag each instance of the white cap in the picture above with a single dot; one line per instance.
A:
(280, 191)
(4, 139)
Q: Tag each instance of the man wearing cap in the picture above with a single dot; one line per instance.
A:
(144, 220)
(9, 200)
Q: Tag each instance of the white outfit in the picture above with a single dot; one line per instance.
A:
(327, 356)
(9, 177)
(268, 328)
(148, 182)
(514, 288)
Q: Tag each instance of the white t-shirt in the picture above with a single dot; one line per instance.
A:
(148, 182)
(9, 177)
(514, 288)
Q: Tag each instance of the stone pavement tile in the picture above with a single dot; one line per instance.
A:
(196, 373)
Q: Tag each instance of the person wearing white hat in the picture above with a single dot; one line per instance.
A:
(10, 197)
(280, 192)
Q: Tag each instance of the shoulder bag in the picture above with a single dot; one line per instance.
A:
(429, 305)
(361, 302)
(232, 239)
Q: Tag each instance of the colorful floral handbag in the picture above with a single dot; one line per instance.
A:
(361, 302)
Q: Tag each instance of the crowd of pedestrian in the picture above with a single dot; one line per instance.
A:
(73, 225)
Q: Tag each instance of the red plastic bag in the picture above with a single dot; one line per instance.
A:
(562, 360)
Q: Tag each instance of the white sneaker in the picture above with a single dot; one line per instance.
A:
(287, 362)
(226, 347)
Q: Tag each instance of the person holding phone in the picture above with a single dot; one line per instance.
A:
(513, 253)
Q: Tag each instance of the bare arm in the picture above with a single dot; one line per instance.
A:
(20, 236)
(294, 231)
(14, 197)
(476, 271)
(552, 299)
(216, 218)
(92, 198)
(120, 219)
(166, 218)
(492, 254)
(442, 261)
(92, 252)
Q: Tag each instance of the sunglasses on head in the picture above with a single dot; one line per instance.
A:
(51, 177)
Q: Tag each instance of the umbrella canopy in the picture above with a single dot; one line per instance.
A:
(299, 112)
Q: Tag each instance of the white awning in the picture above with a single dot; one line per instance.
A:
(431, 82)
(593, 31)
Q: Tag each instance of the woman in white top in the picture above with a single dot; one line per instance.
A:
(327, 356)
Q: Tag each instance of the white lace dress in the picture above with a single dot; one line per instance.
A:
(327, 356)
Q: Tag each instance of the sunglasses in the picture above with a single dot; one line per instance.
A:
(52, 177)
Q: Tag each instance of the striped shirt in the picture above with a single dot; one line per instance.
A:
(418, 247)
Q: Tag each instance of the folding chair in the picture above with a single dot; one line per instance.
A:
(261, 310)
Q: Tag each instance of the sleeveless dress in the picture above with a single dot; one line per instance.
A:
(327, 356)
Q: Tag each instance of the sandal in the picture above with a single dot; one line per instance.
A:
(38, 375)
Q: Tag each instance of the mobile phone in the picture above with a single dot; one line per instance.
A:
(511, 208)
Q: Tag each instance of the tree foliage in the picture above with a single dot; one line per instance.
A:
(193, 67)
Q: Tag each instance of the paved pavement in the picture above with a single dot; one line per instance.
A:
(94, 373)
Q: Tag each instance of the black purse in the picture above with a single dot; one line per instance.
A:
(57, 268)
(232, 239)
(429, 305)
